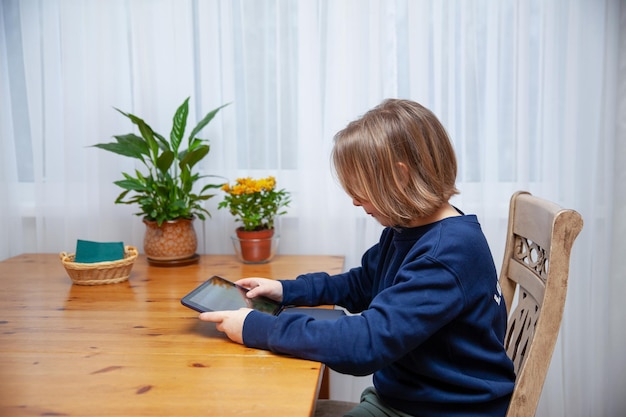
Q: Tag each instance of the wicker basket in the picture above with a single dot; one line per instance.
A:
(98, 273)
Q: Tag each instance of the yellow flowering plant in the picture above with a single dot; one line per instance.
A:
(255, 203)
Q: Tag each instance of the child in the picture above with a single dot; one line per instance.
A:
(432, 321)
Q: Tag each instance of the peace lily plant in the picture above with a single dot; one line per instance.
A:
(166, 190)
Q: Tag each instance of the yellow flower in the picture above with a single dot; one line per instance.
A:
(255, 203)
(239, 189)
(248, 185)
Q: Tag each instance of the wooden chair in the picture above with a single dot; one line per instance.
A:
(536, 261)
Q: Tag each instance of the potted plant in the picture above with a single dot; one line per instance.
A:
(256, 204)
(165, 193)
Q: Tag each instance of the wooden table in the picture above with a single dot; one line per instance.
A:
(131, 349)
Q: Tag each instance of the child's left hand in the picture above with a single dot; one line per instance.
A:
(229, 322)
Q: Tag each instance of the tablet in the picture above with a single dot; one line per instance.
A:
(217, 293)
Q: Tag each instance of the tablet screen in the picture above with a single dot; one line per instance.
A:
(218, 293)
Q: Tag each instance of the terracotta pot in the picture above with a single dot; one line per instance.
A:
(172, 241)
(256, 246)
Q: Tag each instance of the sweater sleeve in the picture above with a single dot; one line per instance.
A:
(398, 319)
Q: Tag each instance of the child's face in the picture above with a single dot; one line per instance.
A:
(369, 209)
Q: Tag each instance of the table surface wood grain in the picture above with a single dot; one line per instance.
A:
(131, 349)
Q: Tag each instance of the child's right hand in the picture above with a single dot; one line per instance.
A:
(262, 286)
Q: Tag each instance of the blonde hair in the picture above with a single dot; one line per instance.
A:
(399, 158)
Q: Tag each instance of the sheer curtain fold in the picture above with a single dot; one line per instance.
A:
(614, 343)
(528, 90)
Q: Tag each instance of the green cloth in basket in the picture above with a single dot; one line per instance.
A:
(89, 252)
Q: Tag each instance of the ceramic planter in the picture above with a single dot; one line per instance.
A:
(174, 242)
(255, 246)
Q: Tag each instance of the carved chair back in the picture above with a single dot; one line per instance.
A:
(536, 265)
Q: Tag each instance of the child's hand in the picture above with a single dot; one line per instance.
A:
(229, 322)
(262, 286)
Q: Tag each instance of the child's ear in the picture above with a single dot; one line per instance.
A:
(403, 173)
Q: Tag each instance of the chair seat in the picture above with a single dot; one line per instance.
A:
(332, 408)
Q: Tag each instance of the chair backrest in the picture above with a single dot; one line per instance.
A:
(539, 240)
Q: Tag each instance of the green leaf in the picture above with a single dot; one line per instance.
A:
(210, 186)
(179, 123)
(146, 132)
(205, 196)
(119, 149)
(205, 121)
(133, 142)
(193, 157)
(119, 199)
(195, 143)
(131, 185)
(163, 144)
(165, 161)
(186, 179)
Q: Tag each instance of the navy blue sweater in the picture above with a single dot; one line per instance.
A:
(432, 324)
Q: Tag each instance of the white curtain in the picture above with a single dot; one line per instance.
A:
(533, 94)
